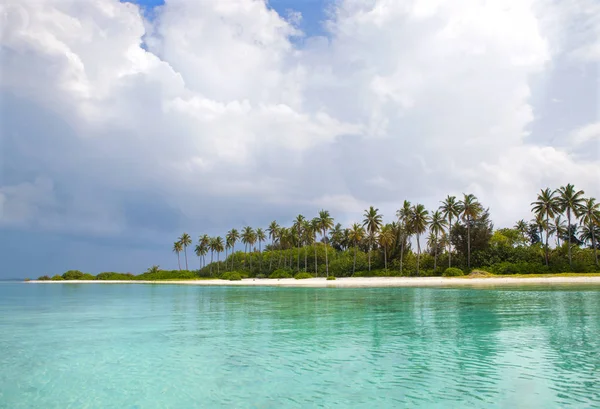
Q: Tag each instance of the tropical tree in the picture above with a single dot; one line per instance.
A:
(260, 236)
(217, 245)
(559, 228)
(272, 231)
(522, 227)
(232, 237)
(570, 202)
(386, 239)
(437, 226)
(298, 224)
(372, 222)
(546, 206)
(403, 216)
(185, 240)
(247, 237)
(451, 210)
(306, 239)
(325, 223)
(201, 251)
(470, 209)
(357, 234)
(178, 248)
(590, 219)
(419, 220)
(315, 225)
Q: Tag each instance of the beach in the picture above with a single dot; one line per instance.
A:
(357, 282)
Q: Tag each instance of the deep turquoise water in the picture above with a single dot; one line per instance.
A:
(167, 346)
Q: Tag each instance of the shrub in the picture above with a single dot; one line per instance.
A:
(44, 278)
(57, 278)
(281, 273)
(28, 279)
(330, 278)
(302, 276)
(233, 276)
(115, 276)
(162, 275)
(87, 276)
(72, 275)
(453, 272)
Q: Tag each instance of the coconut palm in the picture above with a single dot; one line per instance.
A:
(200, 251)
(325, 223)
(178, 248)
(298, 224)
(546, 206)
(590, 219)
(185, 240)
(403, 216)
(260, 236)
(232, 237)
(357, 234)
(437, 226)
(560, 229)
(419, 220)
(570, 202)
(315, 225)
(386, 239)
(272, 232)
(372, 222)
(247, 237)
(451, 210)
(470, 209)
(522, 227)
(306, 238)
(217, 245)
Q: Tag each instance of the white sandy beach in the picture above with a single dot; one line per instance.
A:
(358, 282)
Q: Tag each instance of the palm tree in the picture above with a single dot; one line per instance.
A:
(546, 206)
(185, 240)
(325, 223)
(590, 219)
(204, 241)
(560, 229)
(570, 201)
(247, 234)
(260, 236)
(232, 237)
(272, 231)
(306, 238)
(315, 224)
(450, 209)
(403, 216)
(386, 239)
(372, 222)
(470, 209)
(200, 251)
(522, 227)
(357, 234)
(437, 226)
(218, 247)
(178, 248)
(298, 223)
(419, 222)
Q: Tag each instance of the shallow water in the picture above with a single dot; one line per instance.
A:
(168, 346)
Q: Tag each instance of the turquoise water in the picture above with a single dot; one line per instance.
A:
(168, 346)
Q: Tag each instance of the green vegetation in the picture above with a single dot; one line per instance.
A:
(231, 276)
(330, 278)
(453, 272)
(302, 276)
(281, 273)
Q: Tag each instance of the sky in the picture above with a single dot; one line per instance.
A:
(123, 124)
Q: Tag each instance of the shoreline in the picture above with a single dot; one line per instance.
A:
(354, 282)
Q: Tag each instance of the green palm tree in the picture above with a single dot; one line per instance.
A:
(437, 226)
(272, 231)
(325, 223)
(232, 237)
(298, 224)
(315, 224)
(247, 234)
(403, 216)
(522, 227)
(470, 210)
(546, 206)
(306, 238)
(419, 222)
(451, 210)
(386, 239)
(218, 247)
(200, 251)
(560, 229)
(357, 234)
(185, 240)
(372, 222)
(260, 236)
(178, 248)
(590, 219)
(570, 201)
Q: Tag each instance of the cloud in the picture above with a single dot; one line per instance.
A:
(210, 116)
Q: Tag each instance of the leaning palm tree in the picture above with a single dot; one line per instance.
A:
(570, 201)
(372, 222)
(470, 210)
(217, 245)
(298, 223)
(590, 219)
(272, 231)
(386, 239)
(325, 223)
(357, 234)
(403, 216)
(451, 210)
(232, 237)
(260, 236)
(185, 240)
(437, 226)
(546, 206)
(419, 220)
(178, 248)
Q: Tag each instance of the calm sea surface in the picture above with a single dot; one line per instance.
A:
(168, 346)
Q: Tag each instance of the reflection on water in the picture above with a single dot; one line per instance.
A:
(182, 346)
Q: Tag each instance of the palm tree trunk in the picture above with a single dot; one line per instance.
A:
(354, 266)
(199, 263)
(569, 234)
(418, 253)
(326, 259)
(298, 260)
(449, 243)
(178, 261)
(225, 258)
(260, 252)
(468, 242)
(385, 256)
(245, 255)
(185, 252)
(435, 256)
(402, 254)
(218, 253)
(211, 261)
(594, 244)
(305, 259)
(271, 255)
(369, 256)
(315, 247)
(547, 237)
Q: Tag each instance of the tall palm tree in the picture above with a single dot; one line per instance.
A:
(386, 239)
(546, 206)
(185, 240)
(218, 247)
(570, 201)
(419, 222)
(315, 225)
(522, 227)
(272, 230)
(372, 222)
(298, 224)
(200, 251)
(247, 234)
(178, 248)
(403, 216)
(232, 237)
(560, 229)
(470, 210)
(357, 234)
(306, 238)
(450, 209)
(437, 226)
(325, 223)
(590, 219)
(260, 236)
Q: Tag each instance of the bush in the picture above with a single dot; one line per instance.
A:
(232, 276)
(44, 278)
(261, 276)
(115, 276)
(87, 276)
(72, 275)
(453, 272)
(330, 278)
(302, 276)
(57, 278)
(152, 275)
(281, 273)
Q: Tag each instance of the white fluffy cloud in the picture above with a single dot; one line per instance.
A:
(212, 116)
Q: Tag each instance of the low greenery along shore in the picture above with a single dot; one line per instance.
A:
(452, 240)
